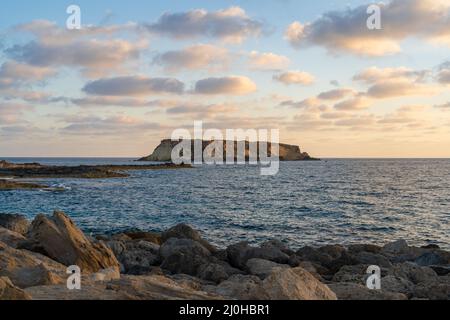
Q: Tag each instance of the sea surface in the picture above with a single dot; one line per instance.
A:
(307, 203)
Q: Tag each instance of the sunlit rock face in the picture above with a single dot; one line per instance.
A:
(287, 152)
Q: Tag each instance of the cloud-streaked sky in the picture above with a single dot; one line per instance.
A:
(137, 70)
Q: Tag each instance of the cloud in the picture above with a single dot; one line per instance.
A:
(11, 113)
(92, 49)
(355, 104)
(202, 56)
(336, 94)
(200, 111)
(374, 74)
(234, 85)
(15, 74)
(267, 61)
(295, 77)
(231, 24)
(108, 101)
(400, 88)
(133, 86)
(445, 106)
(346, 31)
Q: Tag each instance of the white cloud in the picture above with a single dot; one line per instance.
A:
(295, 77)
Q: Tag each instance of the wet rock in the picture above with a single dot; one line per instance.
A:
(61, 240)
(353, 291)
(14, 222)
(11, 238)
(10, 292)
(152, 237)
(239, 254)
(183, 231)
(262, 268)
(295, 284)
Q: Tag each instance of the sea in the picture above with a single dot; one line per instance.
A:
(333, 201)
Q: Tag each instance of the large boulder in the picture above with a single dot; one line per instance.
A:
(183, 231)
(414, 273)
(435, 257)
(239, 287)
(436, 290)
(10, 292)
(240, 253)
(136, 257)
(14, 222)
(295, 284)
(11, 238)
(262, 268)
(370, 258)
(60, 239)
(396, 284)
(27, 269)
(353, 291)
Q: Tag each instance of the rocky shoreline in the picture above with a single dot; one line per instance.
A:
(179, 264)
(39, 171)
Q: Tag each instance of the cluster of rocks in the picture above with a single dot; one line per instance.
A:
(180, 264)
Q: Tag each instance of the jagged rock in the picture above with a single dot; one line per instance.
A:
(441, 270)
(136, 257)
(277, 244)
(353, 291)
(25, 269)
(10, 238)
(437, 257)
(414, 273)
(9, 292)
(216, 271)
(295, 284)
(344, 260)
(334, 251)
(437, 290)
(314, 255)
(146, 236)
(61, 240)
(183, 231)
(354, 274)
(356, 248)
(372, 259)
(176, 245)
(397, 284)
(240, 287)
(240, 253)
(396, 247)
(262, 268)
(14, 222)
(106, 275)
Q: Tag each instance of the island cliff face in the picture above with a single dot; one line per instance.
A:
(287, 152)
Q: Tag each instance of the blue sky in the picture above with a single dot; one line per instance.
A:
(389, 87)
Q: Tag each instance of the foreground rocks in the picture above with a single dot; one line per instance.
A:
(180, 264)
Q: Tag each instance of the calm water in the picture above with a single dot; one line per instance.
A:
(332, 201)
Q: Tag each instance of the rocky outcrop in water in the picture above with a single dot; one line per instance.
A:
(163, 152)
(180, 264)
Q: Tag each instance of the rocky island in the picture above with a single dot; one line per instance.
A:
(163, 151)
(179, 263)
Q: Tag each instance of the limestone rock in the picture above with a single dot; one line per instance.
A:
(262, 268)
(14, 222)
(353, 291)
(240, 253)
(61, 240)
(10, 238)
(9, 292)
(183, 231)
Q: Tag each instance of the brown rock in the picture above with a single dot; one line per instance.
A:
(9, 292)
(14, 222)
(61, 240)
(353, 291)
(10, 238)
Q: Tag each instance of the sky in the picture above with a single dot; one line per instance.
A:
(137, 70)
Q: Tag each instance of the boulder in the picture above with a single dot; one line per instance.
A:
(136, 257)
(178, 245)
(334, 251)
(314, 255)
(240, 287)
(9, 292)
(436, 290)
(396, 247)
(14, 222)
(152, 237)
(372, 259)
(105, 275)
(414, 273)
(240, 253)
(10, 238)
(59, 238)
(26, 269)
(356, 248)
(277, 244)
(354, 274)
(295, 284)
(353, 291)
(262, 268)
(216, 271)
(396, 284)
(183, 231)
(436, 257)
